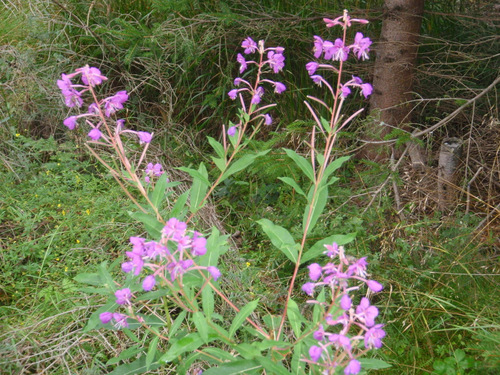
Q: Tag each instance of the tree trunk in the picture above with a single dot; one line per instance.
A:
(396, 55)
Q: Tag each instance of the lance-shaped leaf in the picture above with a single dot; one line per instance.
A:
(281, 239)
(316, 204)
(292, 183)
(242, 163)
(302, 163)
(242, 315)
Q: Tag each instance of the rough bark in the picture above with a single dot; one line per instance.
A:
(396, 55)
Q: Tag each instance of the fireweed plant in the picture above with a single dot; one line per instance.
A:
(171, 282)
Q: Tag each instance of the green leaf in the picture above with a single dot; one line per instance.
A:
(302, 163)
(319, 247)
(89, 278)
(242, 163)
(334, 165)
(149, 296)
(151, 223)
(207, 301)
(292, 183)
(105, 276)
(196, 174)
(177, 323)
(188, 343)
(281, 239)
(219, 149)
(247, 351)
(179, 206)
(219, 163)
(298, 366)
(199, 189)
(217, 353)
(317, 202)
(295, 317)
(201, 325)
(318, 309)
(233, 368)
(373, 364)
(216, 246)
(240, 318)
(158, 194)
(326, 124)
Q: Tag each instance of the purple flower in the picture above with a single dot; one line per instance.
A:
(138, 244)
(353, 367)
(242, 61)
(366, 89)
(340, 341)
(174, 229)
(237, 81)
(178, 268)
(344, 91)
(93, 109)
(333, 250)
(357, 80)
(148, 283)
(127, 266)
(105, 317)
(318, 46)
(366, 313)
(72, 98)
(308, 288)
(315, 271)
(358, 268)
(328, 47)
(257, 95)
(120, 320)
(315, 353)
(361, 46)
(267, 119)
(279, 87)
(144, 137)
(249, 45)
(65, 83)
(319, 334)
(231, 131)
(345, 302)
(374, 336)
(123, 296)
(95, 134)
(199, 246)
(339, 50)
(214, 271)
(375, 286)
(155, 169)
(317, 79)
(115, 103)
(232, 94)
(70, 122)
(276, 61)
(91, 76)
(311, 67)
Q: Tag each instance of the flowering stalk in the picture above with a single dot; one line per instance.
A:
(269, 60)
(336, 51)
(97, 117)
